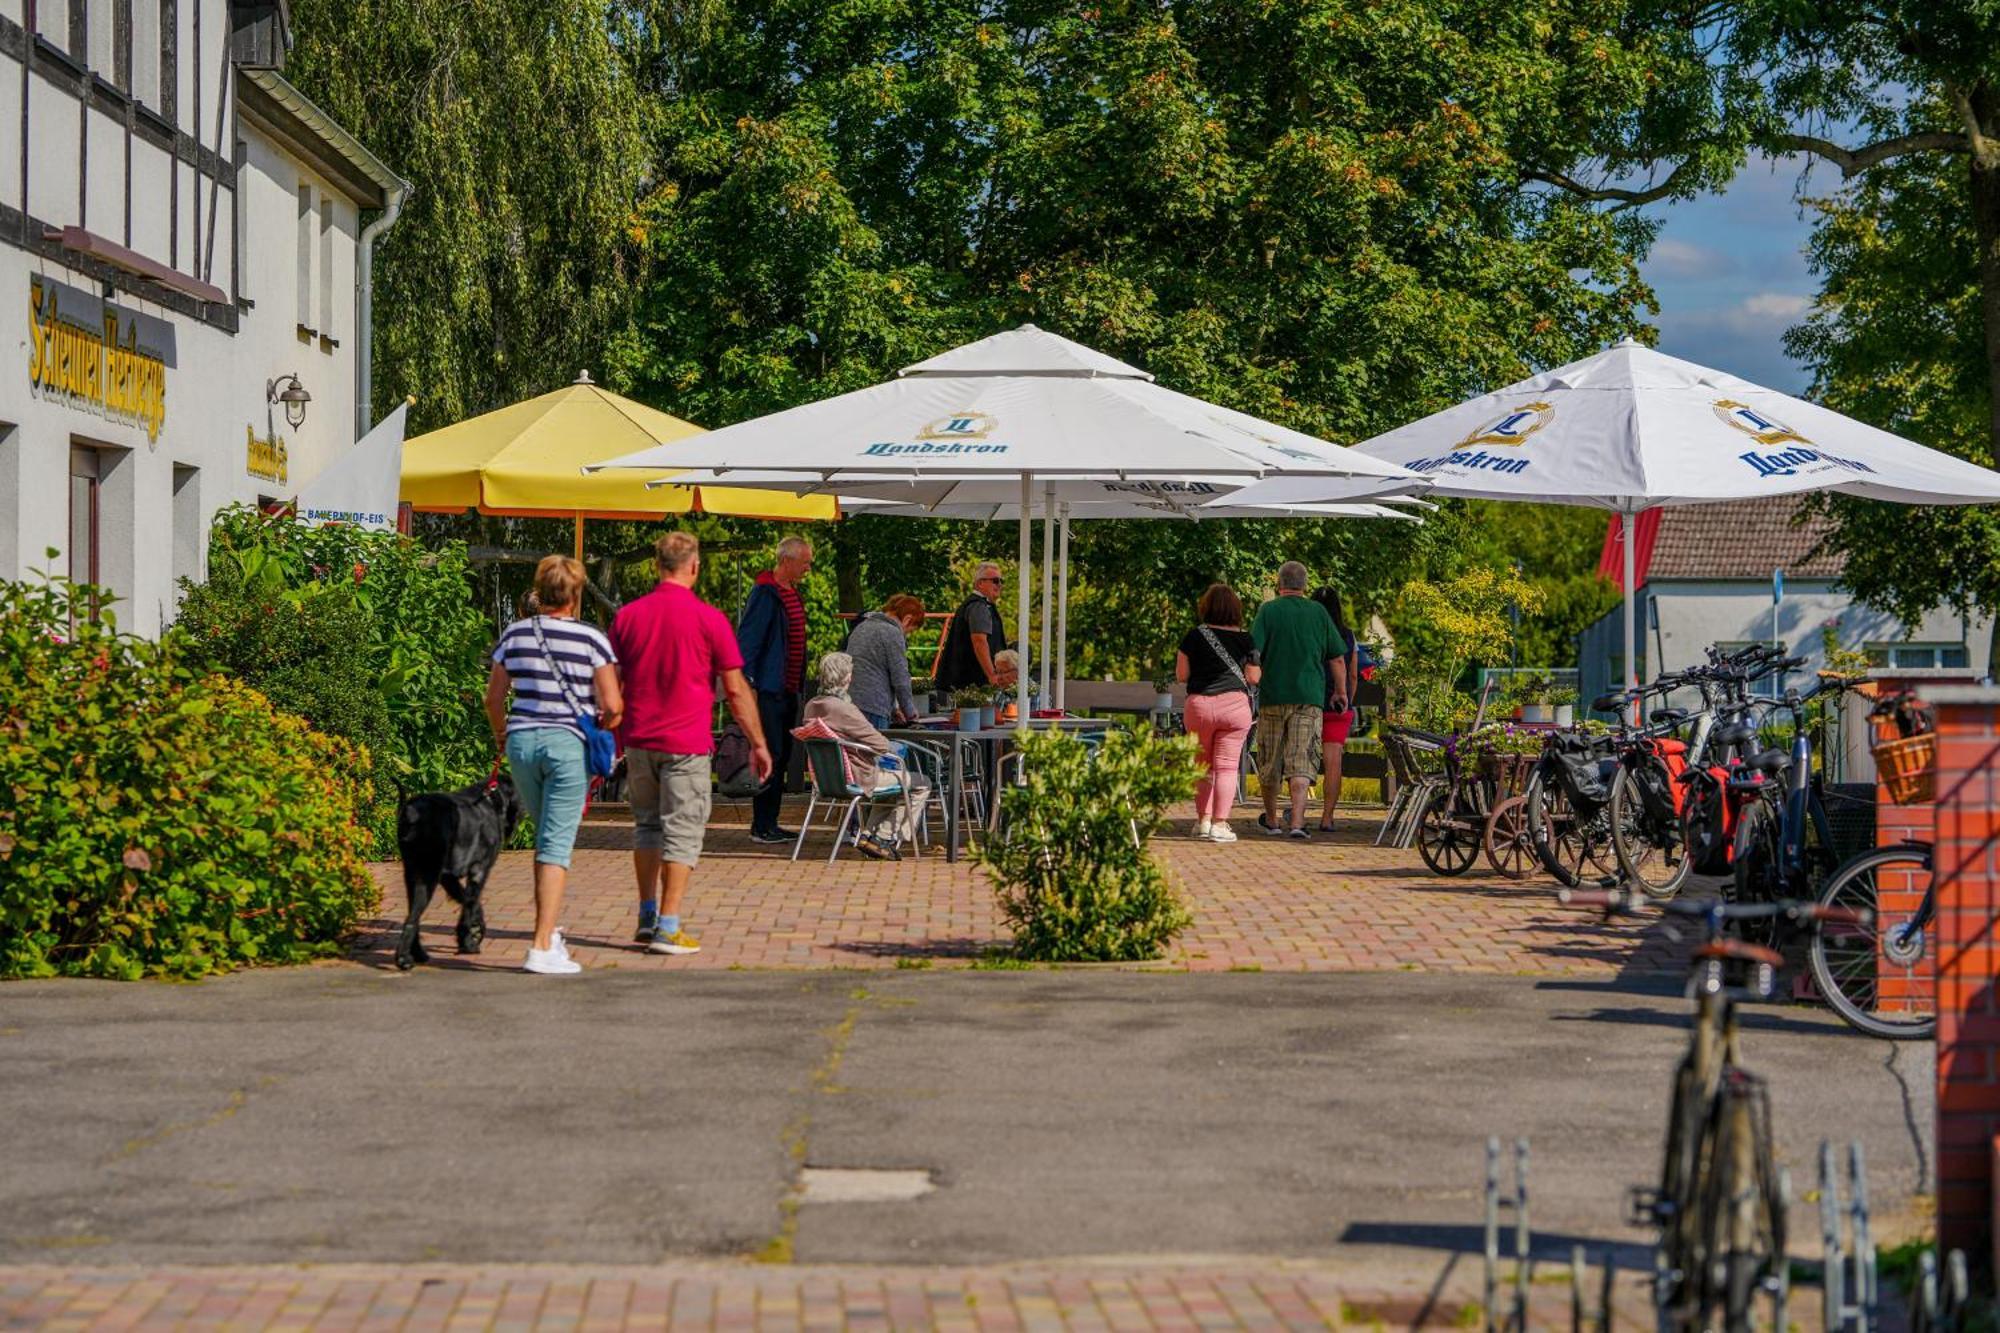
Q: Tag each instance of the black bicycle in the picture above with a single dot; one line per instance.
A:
(1721, 1200)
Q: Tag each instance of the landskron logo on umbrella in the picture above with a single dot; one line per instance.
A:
(1769, 431)
(1511, 427)
(959, 434)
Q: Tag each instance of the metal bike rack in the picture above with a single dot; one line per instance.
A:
(1942, 1300)
(1847, 1274)
(1580, 1318)
(1517, 1203)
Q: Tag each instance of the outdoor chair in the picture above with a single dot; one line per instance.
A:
(827, 762)
(1413, 787)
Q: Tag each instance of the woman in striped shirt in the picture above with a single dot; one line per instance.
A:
(554, 666)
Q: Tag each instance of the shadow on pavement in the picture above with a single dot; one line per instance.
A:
(1456, 1238)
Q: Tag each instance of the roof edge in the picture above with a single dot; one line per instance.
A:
(308, 128)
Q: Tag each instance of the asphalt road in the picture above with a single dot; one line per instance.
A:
(343, 1114)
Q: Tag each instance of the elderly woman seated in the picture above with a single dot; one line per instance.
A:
(833, 707)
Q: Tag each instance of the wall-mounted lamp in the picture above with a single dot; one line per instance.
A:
(293, 395)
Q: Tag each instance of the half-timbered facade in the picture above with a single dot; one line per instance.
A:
(181, 236)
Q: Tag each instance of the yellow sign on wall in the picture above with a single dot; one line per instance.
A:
(266, 457)
(96, 357)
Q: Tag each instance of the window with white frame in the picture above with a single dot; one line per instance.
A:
(1920, 656)
(100, 38)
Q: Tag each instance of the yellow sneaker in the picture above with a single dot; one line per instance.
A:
(680, 942)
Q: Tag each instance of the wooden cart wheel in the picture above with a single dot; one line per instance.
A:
(1447, 837)
(1506, 843)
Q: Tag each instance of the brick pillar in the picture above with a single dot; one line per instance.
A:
(1967, 872)
(1899, 893)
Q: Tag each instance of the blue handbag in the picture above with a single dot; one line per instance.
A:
(600, 747)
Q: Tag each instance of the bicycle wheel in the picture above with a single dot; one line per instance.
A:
(1506, 843)
(1742, 1215)
(1754, 871)
(1447, 837)
(1881, 978)
(1648, 855)
(1552, 832)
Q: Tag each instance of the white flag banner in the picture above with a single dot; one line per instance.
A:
(361, 486)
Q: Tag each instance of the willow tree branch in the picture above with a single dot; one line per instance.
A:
(1853, 161)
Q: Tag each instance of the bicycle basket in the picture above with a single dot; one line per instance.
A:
(1908, 769)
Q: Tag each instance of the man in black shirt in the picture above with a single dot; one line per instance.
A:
(976, 636)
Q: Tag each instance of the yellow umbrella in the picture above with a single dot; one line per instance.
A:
(527, 461)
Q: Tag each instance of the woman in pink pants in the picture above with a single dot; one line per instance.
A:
(1218, 663)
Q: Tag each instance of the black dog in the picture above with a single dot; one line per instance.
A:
(452, 839)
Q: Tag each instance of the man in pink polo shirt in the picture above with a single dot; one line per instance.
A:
(673, 646)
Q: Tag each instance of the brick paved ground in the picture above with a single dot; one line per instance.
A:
(1334, 904)
(1113, 1298)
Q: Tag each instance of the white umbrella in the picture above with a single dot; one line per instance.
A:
(1632, 428)
(1016, 407)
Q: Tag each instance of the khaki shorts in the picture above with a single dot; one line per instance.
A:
(1288, 743)
(670, 802)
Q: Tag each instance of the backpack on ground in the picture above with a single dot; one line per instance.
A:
(733, 775)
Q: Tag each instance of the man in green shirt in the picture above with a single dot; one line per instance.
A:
(1301, 651)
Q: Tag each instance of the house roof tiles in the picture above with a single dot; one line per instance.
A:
(1740, 539)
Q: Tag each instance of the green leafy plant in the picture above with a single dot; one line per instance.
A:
(160, 820)
(1563, 696)
(1073, 874)
(321, 618)
(972, 696)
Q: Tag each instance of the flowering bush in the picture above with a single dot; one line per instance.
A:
(156, 819)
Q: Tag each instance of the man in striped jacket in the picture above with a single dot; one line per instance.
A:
(771, 633)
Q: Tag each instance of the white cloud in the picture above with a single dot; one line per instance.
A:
(1670, 258)
(1774, 305)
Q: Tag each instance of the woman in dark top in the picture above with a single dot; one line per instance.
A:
(1219, 665)
(1334, 727)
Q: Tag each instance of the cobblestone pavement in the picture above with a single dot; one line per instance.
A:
(1112, 1297)
(1336, 903)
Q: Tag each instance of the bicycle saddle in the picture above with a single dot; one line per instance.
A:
(1670, 717)
(1736, 733)
(1773, 762)
(1608, 703)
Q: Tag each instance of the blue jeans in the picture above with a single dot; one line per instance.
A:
(877, 720)
(553, 778)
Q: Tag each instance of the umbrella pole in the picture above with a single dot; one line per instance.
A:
(1062, 610)
(579, 537)
(1627, 531)
(1021, 606)
(1048, 570)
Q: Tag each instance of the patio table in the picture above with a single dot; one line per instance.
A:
(992, 738)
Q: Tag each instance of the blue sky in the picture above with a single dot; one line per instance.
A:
(1730, 272)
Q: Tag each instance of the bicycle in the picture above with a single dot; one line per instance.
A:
(1567, 807)
(1648, 794)
(1721, 1200)
(1882, 981)
(1783, 841)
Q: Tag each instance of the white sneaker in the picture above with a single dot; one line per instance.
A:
(1221, 832)
(1201, 828)
(556, 944)
(551, 963)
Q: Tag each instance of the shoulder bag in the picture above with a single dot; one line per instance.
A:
(600, 747)
(1229, 660)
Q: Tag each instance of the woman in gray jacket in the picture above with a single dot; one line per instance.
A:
(880, 647)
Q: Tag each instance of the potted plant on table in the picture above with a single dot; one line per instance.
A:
(920, 694)
(1564, 702)
(967, 706)
(1535, 705)
(1163, 688)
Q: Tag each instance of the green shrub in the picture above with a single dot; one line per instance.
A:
(370, 636)
(1073, 875)
(159, 820)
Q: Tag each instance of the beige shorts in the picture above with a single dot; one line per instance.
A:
(1288, 743)
(670, 801)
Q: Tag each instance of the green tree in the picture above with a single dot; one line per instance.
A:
(1895, 339)
(521, 129)
(1902, 98)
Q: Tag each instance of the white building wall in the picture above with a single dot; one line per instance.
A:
(158, 495)
(1693, 615)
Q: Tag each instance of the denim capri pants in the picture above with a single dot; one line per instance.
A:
(553, 777)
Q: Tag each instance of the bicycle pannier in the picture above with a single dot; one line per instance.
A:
(1582, 775)
(1708, 822)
